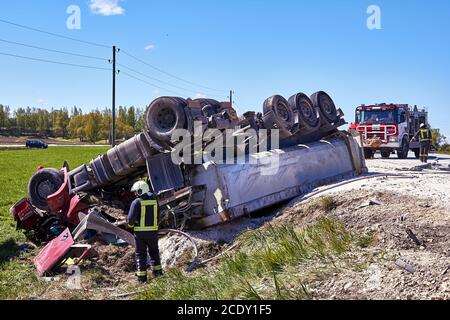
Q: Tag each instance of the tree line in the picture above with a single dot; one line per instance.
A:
(87, 127)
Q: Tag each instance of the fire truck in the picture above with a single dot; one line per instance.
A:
(389, 128)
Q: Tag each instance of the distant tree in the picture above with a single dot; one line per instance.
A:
(438, 139)
(131, 117)
(92, 127)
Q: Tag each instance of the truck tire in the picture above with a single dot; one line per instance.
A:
(402, 153)
(278, 114)
(43, 183)
(368, 153)
(386, 154)
(417, 153)
(165, 115)
(205, 102)
(307, 114)
(326, 106)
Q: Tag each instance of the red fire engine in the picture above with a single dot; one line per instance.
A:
(389, 128)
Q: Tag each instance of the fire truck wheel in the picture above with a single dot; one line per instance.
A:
(278, 114)
(385, 154)
(307, 114)
(417, 153)
(43, 183)
(164, 116)
(325, 104)
(402, 153)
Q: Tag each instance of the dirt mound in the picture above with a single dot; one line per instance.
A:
(391, 226)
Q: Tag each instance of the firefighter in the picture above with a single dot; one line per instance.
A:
(424, 136)
(143, 220)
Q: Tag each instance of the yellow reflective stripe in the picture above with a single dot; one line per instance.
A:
(157, 268)
(145, 229)
(142, 226)
(141, 273)
(148, 202)
(143, 213)
(424, 135)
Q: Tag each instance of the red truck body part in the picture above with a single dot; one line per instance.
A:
(53, 252)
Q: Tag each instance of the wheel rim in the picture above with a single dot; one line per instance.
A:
(283, 111)
(307, 110)
(165, 119)
(326, 106)
(44, 189)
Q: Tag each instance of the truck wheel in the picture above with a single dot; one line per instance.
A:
(417, 153)
(368, 153)
(402, 153)
(43, 183)
(385, 154)
(205, 102)
(325, 104)
(303, 106)
(165, 115)
(278, 114)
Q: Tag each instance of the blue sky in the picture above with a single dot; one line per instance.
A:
(256, 48)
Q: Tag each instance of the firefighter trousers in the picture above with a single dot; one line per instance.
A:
(147, 245)
(424, 149)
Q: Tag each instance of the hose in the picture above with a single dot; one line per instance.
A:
(166, 231)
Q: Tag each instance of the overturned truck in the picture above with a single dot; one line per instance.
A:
(255, 161)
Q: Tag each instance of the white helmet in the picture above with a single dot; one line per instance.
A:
(422, 125)
(140, 187)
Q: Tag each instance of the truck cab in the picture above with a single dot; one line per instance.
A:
(388, 128)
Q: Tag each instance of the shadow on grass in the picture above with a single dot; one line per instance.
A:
(9, 249)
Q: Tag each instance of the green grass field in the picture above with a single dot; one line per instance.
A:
(17, 276)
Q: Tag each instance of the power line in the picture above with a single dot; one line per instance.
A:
(151, 84)
(169, 74)
(55, 34)
(53, 62)
(52, 50)
(160, 81)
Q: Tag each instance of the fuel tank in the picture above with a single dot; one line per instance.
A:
(235, 190)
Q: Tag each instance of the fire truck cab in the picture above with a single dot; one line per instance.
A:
(389, 128)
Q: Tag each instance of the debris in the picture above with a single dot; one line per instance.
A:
(371, 202)
(414, 238)
(348, 286)
(94, 221)
(406, 264)
(53, 252)
(445, 271)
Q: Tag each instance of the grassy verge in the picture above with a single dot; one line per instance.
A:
(17, 277)
(268, 265)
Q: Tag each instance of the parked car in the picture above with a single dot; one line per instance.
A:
(36, 144)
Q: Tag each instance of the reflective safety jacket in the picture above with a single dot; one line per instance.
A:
(423, 135)
(143, 214)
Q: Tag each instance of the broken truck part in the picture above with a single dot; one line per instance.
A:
(311, 152)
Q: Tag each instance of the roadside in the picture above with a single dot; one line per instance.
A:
(19, 142)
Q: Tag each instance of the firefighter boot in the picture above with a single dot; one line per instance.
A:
(142, 276)
(157, 271)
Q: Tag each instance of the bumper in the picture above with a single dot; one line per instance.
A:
(381, 145)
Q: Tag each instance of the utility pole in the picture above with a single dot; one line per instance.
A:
(113, 129)
(231, 98)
